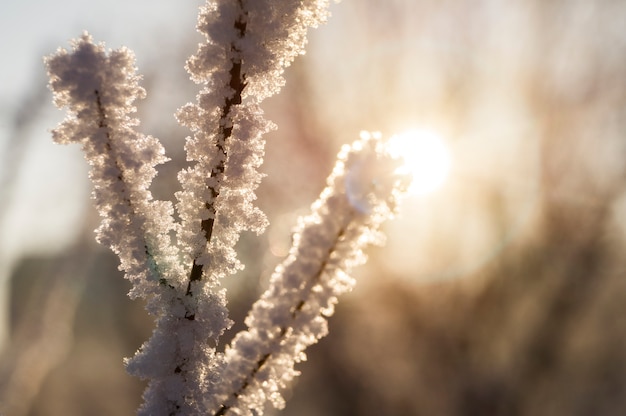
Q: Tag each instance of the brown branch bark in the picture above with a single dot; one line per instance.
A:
(237, 83)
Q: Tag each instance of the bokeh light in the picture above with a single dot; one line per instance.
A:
(426, 159)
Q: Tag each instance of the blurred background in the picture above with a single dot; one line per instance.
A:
(501, 293)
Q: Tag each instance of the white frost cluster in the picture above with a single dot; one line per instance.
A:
(178, 267)
(99, 89)
(292, 314)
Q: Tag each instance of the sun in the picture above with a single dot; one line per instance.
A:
(426, 159)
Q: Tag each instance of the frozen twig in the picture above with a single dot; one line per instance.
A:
(248, 45)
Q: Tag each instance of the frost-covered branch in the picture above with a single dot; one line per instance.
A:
(99, 89)
(237, 83)
(291, 315)
(248, 45)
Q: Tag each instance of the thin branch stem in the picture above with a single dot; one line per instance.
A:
(237, 83)
(102, 123)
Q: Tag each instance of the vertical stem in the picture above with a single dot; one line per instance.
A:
(237, 83)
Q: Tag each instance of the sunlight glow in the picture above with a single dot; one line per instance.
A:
(426, 159)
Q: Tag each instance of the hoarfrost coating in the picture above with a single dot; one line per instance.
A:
(292, 314)
(248, 45)
(99, 89)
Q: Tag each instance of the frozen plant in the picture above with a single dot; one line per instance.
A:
(177, 266)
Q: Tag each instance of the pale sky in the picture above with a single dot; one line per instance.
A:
(31, 28)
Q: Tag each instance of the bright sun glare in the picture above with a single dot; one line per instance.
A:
(426, 159)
